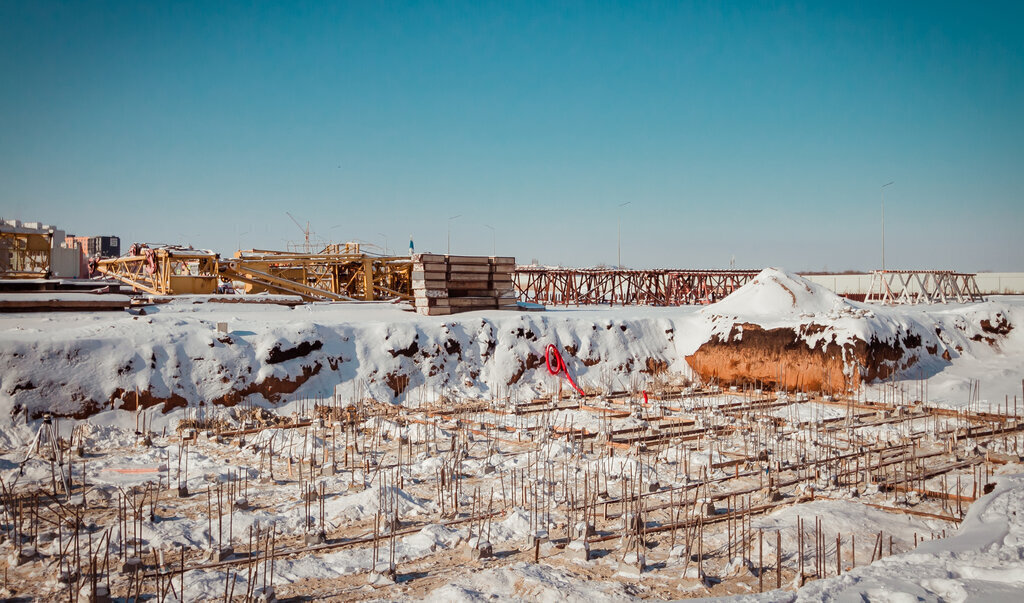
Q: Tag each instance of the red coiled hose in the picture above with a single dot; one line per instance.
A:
(559, 366)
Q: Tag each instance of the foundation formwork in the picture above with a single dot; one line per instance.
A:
(669, 482)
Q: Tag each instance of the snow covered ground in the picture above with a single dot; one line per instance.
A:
(982, 561)
(77, 363)
(284, 358)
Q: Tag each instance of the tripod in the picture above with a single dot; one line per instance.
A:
(47, 438)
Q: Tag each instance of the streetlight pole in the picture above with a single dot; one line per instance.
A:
(450, 232)
(494, 241)
(883, 223)
(619, 244)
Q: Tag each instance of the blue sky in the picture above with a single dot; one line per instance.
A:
(762, 131)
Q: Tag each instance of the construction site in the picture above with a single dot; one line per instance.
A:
(353, 425)
(488, 302)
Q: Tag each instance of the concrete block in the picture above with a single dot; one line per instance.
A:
(86, 595)
(578, 550)
(131, 565)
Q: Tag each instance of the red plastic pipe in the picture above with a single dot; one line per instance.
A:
(559, 366)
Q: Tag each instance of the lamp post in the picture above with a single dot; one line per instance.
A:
(242, 234)
(619, 238)
(450, 232)
(385, 237)
(494, 241)
(883, 223)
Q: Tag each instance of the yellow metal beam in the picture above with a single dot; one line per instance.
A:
(368, 279)
(249, 274)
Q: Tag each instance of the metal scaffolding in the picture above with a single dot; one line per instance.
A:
(336, 274)
(923, 287)
(596, 286)
(164, 270)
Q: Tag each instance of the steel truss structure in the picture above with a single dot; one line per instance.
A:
(923, 287)
(164, 270)
(339, 273)
(596, 286)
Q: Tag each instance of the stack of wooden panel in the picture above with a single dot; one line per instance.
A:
(447, 284)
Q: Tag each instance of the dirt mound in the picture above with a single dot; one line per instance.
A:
(781, 358)
(782, 331)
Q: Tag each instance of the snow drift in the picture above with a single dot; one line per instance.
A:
(78, 364)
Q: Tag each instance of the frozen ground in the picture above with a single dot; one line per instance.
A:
(66, 361)
(76, 363)
(982, 561)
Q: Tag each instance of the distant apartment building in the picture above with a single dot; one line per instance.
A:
(82, 245)
(104, 247)
(98, 247)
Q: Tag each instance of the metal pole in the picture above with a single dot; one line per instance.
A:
(619, 238)
(883, 223)
(494, 241)
(385, 242)
(450, 232)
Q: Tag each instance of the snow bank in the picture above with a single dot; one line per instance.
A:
(78, 364)
(982, 561)
(81, 363)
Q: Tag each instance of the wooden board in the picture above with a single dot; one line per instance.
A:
(427, 275)
(421, 285)
(469, 268)
(434, 311)
(475, 260)
(490, 293)
(463, 284)
(427, 257)
(431, 293)
(57, 304)
(467, 276)
(476, 302)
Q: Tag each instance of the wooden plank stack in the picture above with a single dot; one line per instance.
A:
(448, 284)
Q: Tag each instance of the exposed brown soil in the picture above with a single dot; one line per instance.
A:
(655, 366)
(272, 388)
(277, 355)
(532, 361)
(409, 351)
(398, 382)
(781, 358)
(1001, 326)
